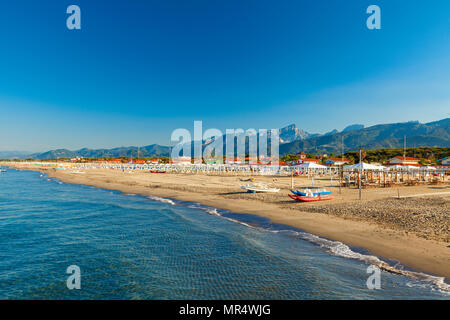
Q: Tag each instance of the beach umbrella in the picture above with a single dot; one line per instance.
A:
(409, 168)
(310, 165)
(363, 166)
(396, 167)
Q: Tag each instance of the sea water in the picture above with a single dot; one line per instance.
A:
(129, 246)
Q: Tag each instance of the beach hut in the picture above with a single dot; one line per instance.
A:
(310, 168)
(363, 174)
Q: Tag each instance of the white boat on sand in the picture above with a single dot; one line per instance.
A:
(256, 187)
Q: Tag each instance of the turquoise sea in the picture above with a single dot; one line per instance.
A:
(135, 247)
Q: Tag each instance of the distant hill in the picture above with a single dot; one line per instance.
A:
(153, 150)
(294, 140)
(13, 154)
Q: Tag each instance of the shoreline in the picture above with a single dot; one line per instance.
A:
(429, 256)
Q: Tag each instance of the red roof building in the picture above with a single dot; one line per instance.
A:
(301, 155)
(305, 160)
(403, 161)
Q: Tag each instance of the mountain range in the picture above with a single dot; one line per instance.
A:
(294, 140)
(432, 134)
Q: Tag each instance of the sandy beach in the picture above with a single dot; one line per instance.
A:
(412, 230)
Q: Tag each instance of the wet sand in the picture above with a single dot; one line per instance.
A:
(413, 231)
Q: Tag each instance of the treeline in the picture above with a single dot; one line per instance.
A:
(378, 155)
(293, 157)
(382, 155)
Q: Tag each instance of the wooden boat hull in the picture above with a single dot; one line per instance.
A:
(310, 199)
(304, 194)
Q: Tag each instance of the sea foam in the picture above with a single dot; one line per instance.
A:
(333, 247)
(342, 250)
(159, 199)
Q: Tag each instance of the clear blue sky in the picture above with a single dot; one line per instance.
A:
(139, 69)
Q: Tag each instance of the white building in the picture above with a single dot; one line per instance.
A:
(182, 161)
(445, 161)
(404, 161)
(336, 161)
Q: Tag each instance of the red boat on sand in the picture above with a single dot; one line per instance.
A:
(311, 199)
(157, 171)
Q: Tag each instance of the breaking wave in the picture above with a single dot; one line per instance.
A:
(340, 249)
(335, 248)
(159, 199)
